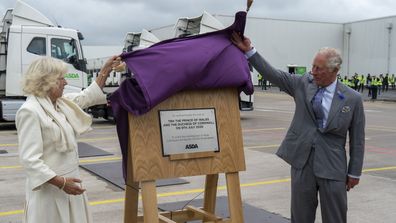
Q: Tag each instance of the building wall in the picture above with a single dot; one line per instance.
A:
(372, 47)
(287, 42)
(367, 46)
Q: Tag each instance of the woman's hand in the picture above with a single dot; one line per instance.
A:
(72, 187)
(118, 65)
(105, 71)
(243, 44)
(108, 66)
(67, 184)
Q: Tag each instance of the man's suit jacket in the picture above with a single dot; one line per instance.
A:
(346, 115)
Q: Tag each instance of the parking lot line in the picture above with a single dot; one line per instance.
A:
(191, 191)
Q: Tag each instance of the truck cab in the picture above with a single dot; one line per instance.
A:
(27, 35)
(139, 40)
(205, 23)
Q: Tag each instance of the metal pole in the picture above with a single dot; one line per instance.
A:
(348, 32)
(389, 27)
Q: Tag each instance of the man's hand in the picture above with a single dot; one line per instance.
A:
(243, 44)
(351, 182)
(249, 4)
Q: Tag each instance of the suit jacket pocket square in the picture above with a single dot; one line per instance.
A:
(346, 109)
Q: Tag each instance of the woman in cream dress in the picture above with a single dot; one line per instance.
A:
(48, 124)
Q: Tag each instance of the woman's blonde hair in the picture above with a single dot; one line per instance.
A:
(43, 75)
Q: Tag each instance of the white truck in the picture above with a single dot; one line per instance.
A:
(26, 35)
(133, 41)
(139, 40)
(186, 26)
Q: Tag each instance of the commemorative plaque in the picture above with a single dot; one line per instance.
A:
(188, 131)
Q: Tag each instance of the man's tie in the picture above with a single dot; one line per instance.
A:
(317, 107)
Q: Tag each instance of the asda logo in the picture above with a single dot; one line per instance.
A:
(72, 76)
(191, 146)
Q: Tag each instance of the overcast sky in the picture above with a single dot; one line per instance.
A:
(105, 22)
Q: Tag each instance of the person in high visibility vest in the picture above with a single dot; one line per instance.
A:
(374, 87)
(351, 82)
(368, 84)
(345, 81)
(392, 81)
(362, 81)
(355, 82)
(385, 83)
(380, 79)
(260, 79)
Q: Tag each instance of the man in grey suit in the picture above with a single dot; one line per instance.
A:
(326, 112)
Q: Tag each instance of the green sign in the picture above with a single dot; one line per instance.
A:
(301, 70)
(72, 76)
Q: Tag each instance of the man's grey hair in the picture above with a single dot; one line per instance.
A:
(333, 55)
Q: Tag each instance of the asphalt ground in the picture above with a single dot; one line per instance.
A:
(264, 185)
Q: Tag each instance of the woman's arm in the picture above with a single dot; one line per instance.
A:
(93, 94)
(106, 70)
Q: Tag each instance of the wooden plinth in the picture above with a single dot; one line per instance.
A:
(147, 164)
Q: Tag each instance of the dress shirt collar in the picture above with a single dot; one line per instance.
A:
(331, 88)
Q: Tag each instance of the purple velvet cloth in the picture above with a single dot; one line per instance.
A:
(199, 62)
